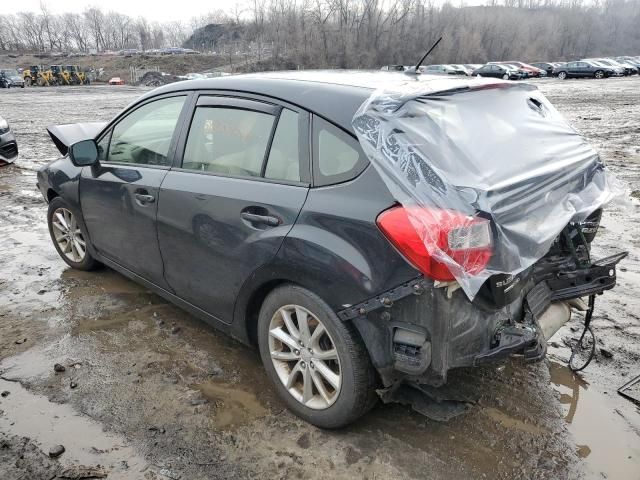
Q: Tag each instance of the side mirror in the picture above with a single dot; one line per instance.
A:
(84, 153)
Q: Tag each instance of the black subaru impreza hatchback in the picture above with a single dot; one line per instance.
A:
(302, 214)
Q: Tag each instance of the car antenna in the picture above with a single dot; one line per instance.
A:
(416, 69)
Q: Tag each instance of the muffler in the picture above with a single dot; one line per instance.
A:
(554, 317)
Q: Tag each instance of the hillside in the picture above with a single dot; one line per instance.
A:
(118, 66)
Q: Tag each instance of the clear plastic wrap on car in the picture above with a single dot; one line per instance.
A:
(488, 173)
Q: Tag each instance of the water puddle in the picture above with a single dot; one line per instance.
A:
(511, 422)
(232, 405)
(606, 441)
(48, 424)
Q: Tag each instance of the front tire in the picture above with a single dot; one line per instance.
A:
(562, 75)
(598, 74)
(505, 76)
(69, 237)
(318, 364)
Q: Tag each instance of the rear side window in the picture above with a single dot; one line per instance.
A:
(337, 156)
(284, 156)
(229, 141)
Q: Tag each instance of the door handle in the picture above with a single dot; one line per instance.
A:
(145, 198)
(269, 220)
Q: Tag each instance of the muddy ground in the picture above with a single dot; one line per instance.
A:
(149, 392)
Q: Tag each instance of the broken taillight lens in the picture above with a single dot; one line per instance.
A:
(466, 240)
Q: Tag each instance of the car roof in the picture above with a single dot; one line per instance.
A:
(333, 94)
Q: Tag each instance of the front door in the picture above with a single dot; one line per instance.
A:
(119, 197)
(224, 212)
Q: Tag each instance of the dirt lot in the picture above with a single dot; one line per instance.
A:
(151, 393)
(118, 66)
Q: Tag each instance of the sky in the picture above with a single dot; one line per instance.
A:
(153, 10)
(156, 10)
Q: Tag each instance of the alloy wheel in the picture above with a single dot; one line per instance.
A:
(305, 357)
(68, 235)
(562, 75)
(599, 74)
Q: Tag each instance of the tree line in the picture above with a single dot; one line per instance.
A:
(354, 33)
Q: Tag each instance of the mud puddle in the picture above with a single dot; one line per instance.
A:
(606, 441)
(234, 406)
(48, 424)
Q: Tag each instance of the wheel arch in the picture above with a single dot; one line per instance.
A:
(51, 194)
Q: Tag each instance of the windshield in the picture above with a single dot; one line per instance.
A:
(10, 73)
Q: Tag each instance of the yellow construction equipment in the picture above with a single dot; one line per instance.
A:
(37, 75)
(62, 77)
(74, 74)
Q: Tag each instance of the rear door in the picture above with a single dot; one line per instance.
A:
(119, 197)
(583, 69)
(241, 178)
(573, 69)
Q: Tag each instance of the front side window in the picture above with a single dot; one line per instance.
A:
(103, 147)
(144, 136)
(229, 141)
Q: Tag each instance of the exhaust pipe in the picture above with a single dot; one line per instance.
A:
(554, 317)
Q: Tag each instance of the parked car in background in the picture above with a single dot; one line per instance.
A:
(442, 70)
(546, 66)
(116, 81)
(393, 68)
(8, 144)
(624, 69)
(631, 60)
(9, 77)
(585, 69)
(472, 66)
(498, 71)
(529, 69)
(616, 67)
(172, 51)
(462, 69)
(523, 72)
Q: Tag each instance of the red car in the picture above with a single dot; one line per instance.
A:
(530, 69)
(116, 81)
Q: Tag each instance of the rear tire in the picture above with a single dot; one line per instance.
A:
(336, 397)
(69, 236)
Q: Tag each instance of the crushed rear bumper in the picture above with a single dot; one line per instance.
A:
(419, 331)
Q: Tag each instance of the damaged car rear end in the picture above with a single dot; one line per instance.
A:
(499, 201)
(368, 231)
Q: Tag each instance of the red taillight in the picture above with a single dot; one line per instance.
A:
(431, 232)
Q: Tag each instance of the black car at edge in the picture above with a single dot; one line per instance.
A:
(249, 202)
(8, 144)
